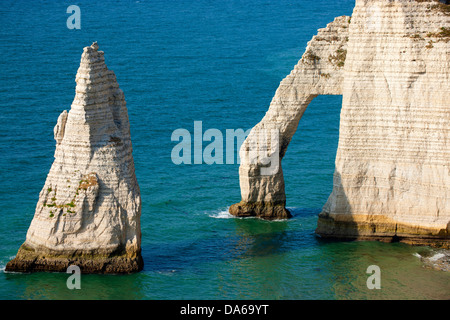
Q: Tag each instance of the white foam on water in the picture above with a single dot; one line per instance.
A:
(417, 255)
(222, 214)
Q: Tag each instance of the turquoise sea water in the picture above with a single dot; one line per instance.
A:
(177, 62)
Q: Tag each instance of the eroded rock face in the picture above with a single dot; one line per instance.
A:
(391, 63)
(392, 177)
(319, 71)
(88, 213)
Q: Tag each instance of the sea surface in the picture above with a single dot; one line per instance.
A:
(177, 62)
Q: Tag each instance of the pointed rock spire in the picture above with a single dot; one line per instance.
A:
(88, 213)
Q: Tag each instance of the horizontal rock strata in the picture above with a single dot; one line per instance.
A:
(390, 61)
(88, 213)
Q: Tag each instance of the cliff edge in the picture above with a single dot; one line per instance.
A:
(88, 213)
(391, 63)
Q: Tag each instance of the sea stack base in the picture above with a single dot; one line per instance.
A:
(29, 259)
(262, 210)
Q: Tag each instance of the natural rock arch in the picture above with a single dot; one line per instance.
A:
(319, 72)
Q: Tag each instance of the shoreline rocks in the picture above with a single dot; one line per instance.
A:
(438, 260)
(319, 71)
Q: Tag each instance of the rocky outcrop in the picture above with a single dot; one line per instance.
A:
(392, 177)
(392, 174)
(439, 260)
(88, 213)
(319, 71)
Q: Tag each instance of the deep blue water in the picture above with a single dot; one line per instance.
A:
(177, 62)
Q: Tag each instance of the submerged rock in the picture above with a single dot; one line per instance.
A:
(89, 209)
(390, 62)
(439, 260)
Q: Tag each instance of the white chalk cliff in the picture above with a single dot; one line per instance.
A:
(89, 209)
(391, 63)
